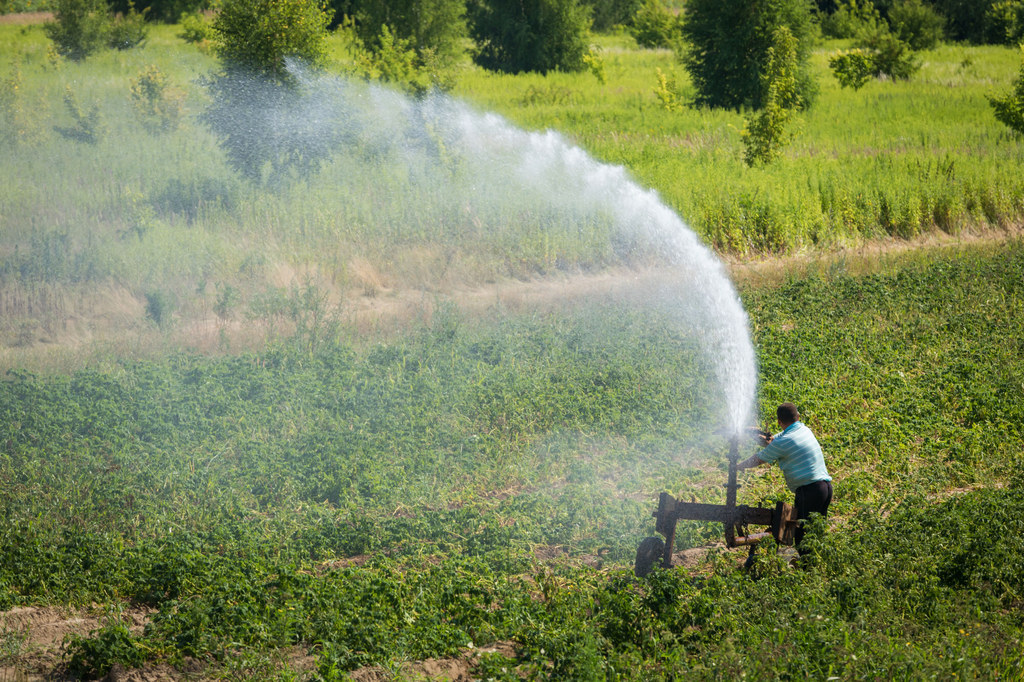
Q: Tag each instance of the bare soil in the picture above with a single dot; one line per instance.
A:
(33, 641)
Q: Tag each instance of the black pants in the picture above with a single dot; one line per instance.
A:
(810, 498)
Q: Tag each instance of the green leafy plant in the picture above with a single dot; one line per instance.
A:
(654, 25)
(916, 24)
(890, 55)
(851, 18)
(435, 30)
(88, 124)
(1004, 22)
(158, 105)
(255, 97)
(94, 656)
(1009, 107)
(128, 30)
(668, 92)
(852, 68)
(17, 124)
(727, 48)
(195, 29)
(79, 28)
(766, 133)
(538, 35)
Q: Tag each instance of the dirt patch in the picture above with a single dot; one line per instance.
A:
(34, 638)
(25, 18)
(456, 669)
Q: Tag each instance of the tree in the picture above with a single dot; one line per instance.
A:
(766, 133)
(431, 27)
(79, 28)
(1009, 108)
(727, 44)
(529, 35)
(256, 96)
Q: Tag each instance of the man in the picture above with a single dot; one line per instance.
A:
(799, 456)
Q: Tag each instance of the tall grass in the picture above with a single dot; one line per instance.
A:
(139, 212)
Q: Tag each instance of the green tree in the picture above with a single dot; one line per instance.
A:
(727, 48)
(256, 98)
(607, 14)
(433, 28)
(654, 26)
(258, 36)
(917, 24)
(79, 28)
(766, 132)
(1009, 107)
(513, 36)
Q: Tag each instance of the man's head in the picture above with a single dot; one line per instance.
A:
(787, 414)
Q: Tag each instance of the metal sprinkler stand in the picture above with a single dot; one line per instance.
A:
(781, 521)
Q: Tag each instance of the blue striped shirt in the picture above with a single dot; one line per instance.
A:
(799, 456)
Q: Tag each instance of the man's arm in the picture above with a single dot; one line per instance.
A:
(750, 462)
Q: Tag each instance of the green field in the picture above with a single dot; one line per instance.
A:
(317, 430)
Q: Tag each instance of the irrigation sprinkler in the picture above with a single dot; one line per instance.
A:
(781, 521)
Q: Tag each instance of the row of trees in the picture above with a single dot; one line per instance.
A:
(741, 54)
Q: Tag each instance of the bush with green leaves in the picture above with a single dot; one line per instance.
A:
(79, 27)
(128, 30)
(514, 36)
(852, 68)
(766, 133)
(254, 104)
(158, 104)
(891, 56)
(1004, 22)
(1009, 107)
(87, 126)
(167, 11)
(258, 36)
(608, 14)
(654, 25)
(195, 28)
(917, 24)
(850, 18)
(434, 29)
(727, 44)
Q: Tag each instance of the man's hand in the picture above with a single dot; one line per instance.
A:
(763, 438)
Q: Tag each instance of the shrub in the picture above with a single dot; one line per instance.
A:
(513, 36)
(257, 36)
(654, 26)
(93, 657)
(1004, 22)
(394, 60)
(88, 124)
(668, 92)
(916, 24)
(169, 11)
(766, 134)
(128, 30)
(79, 28)
(159, 106)
(607, 14)
(1009, 108)
(434, 29)
(852, 68)
(728, 43)
(851, 19)
(254, 109)
(17, 119)
(891, 56)
(195, 28)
